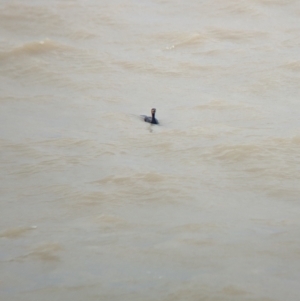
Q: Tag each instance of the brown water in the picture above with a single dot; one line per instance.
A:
(98, 205)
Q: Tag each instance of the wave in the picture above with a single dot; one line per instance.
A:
(34, 48)
(198, 40)
(138, 186)
(274, 159)
(292, 66)
(50, 62)
(16, 232)
(239, 7)
(20, 17)
(236, 35)
(223, 105)
(143, 66)
(276, 2)
(170, 68)
(181, 39)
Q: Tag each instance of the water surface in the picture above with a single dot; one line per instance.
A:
(98, 205)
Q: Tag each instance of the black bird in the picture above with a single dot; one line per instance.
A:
(151, 119)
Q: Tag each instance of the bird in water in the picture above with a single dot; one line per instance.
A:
(151, 119)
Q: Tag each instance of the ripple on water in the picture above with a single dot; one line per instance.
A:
(16, 232)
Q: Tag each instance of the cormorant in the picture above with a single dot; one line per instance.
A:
(151, 119)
